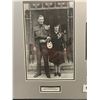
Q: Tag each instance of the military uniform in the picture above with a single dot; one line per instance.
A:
(40, 35)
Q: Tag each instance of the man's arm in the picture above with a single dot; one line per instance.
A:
(47, 28)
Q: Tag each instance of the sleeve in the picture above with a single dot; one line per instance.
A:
(48, 34)
(53, 38)
(63, 41)
(47, 29)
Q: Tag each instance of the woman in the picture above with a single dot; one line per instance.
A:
(56, 54)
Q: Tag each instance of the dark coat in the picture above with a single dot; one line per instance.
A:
(58, 42)
(56, 54)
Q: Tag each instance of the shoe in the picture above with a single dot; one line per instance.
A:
(36, 75)
(48, 75)
(59, 74)
(55, 74)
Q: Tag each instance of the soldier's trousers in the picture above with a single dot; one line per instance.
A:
(42, 51)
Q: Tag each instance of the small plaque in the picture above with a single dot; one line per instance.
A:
(50, 88)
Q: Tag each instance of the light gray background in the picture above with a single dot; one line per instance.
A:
(29, 89)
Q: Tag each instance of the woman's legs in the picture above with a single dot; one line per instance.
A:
(59, 70)
(55, 74)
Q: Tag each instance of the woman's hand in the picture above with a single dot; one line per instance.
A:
(48, 38)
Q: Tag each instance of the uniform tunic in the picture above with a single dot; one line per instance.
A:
(40, 33)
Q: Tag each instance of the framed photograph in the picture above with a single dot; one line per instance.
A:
(49, 49)
(49, 39)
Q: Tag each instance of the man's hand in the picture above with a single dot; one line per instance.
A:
(64, 49)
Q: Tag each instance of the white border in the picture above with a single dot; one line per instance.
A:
(93, 59)
(6, 50)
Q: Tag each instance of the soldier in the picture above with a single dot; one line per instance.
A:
(40, 36)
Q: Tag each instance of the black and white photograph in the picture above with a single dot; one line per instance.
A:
(49, 40)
